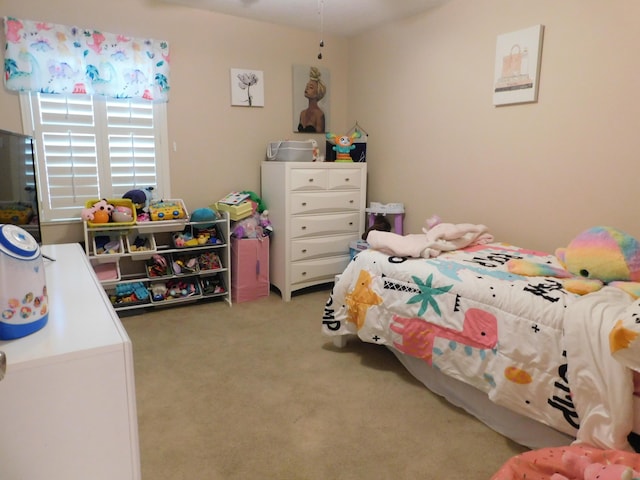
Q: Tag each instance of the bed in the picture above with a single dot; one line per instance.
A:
(521, 353)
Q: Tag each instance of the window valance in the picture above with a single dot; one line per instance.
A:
(49, 58)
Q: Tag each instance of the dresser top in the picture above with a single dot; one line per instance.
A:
(81, 318)
(315, 164)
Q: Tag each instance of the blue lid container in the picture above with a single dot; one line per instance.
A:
(24, 305)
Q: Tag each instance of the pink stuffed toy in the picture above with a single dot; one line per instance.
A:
(583, 468)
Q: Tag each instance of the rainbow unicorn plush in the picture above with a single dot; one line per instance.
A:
(596, 257)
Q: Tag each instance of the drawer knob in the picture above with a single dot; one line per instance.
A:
(350, 223)
(304, 227)
(304, 250)
(311, 180)
(347, 179)
(304, 204)
(304, 274)
(3, 365)
(350, 201)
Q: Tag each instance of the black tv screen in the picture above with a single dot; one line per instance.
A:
(18, 186)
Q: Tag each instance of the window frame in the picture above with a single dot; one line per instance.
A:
(101, 130)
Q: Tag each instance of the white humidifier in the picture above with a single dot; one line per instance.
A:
(24, 306)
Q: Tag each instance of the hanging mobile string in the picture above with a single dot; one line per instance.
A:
(321, 13)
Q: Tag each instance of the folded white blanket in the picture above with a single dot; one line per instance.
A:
(443, 237)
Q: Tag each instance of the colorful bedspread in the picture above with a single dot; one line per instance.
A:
(529, 344)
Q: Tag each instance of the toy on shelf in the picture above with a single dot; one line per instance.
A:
(204, 215)
(174, 289)
(181, 289)
(255, 226)
(98, 212)
(107, 245)
(185, 264)
(209, 261)
(212, 285)
(114, 211)
(129, 294)
(191, 237)
(342, 145)
(158, 291)
(167, 210)
(158, 266)
(141, 199)
(141, 244)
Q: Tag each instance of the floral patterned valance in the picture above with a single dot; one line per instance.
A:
(49, 58)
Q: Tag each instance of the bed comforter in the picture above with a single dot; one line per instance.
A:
(530, 345)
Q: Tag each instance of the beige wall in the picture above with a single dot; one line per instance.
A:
(536, 174)
(218, 147)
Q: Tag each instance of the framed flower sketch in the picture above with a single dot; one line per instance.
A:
(247, 88)
(517, 67)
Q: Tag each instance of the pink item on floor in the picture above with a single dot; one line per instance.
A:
(575, 462)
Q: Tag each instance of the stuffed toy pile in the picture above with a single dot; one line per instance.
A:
(573, 462)
(596, 257)
(583, 468)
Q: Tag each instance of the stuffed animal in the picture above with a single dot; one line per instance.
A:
(204, 215)
(343, 145)
(582, 468)
(140, 199)
(99, 212)
(596, 257)
(265, 223)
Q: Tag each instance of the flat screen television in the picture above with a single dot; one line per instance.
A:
(18, 186)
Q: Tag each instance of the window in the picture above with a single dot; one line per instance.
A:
(90, 147)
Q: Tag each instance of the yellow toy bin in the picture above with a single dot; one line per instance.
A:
(116, 202)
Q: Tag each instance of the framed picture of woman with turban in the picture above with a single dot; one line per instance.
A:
(310, 99)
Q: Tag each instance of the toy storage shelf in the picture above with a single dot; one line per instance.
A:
(124, 268)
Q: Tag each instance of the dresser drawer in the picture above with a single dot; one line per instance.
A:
(309, 179)
(345, 178)
(308, 248)
(313, 270)
(310, 226)
(303, 203)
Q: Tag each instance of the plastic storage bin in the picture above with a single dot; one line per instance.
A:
(116, 202)
(175, 289)
(106, 271)
(107, 245)
(212, 285)
(141, 245)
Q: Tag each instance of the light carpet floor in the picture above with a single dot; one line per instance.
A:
(254, 391)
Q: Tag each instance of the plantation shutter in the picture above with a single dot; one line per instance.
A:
(131, 145)
(92, 147)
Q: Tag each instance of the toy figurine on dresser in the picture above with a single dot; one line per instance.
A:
(342, 145)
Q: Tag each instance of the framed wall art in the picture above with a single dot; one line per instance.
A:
(247, 88)
(517, 66)
(311, 92)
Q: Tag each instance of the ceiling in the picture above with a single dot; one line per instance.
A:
(340, 17)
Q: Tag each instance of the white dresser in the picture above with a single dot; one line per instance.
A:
(67, 401)
(316, 210)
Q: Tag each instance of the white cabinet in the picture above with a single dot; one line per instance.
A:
(209, 269)
(67, 401)
(316, 210)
